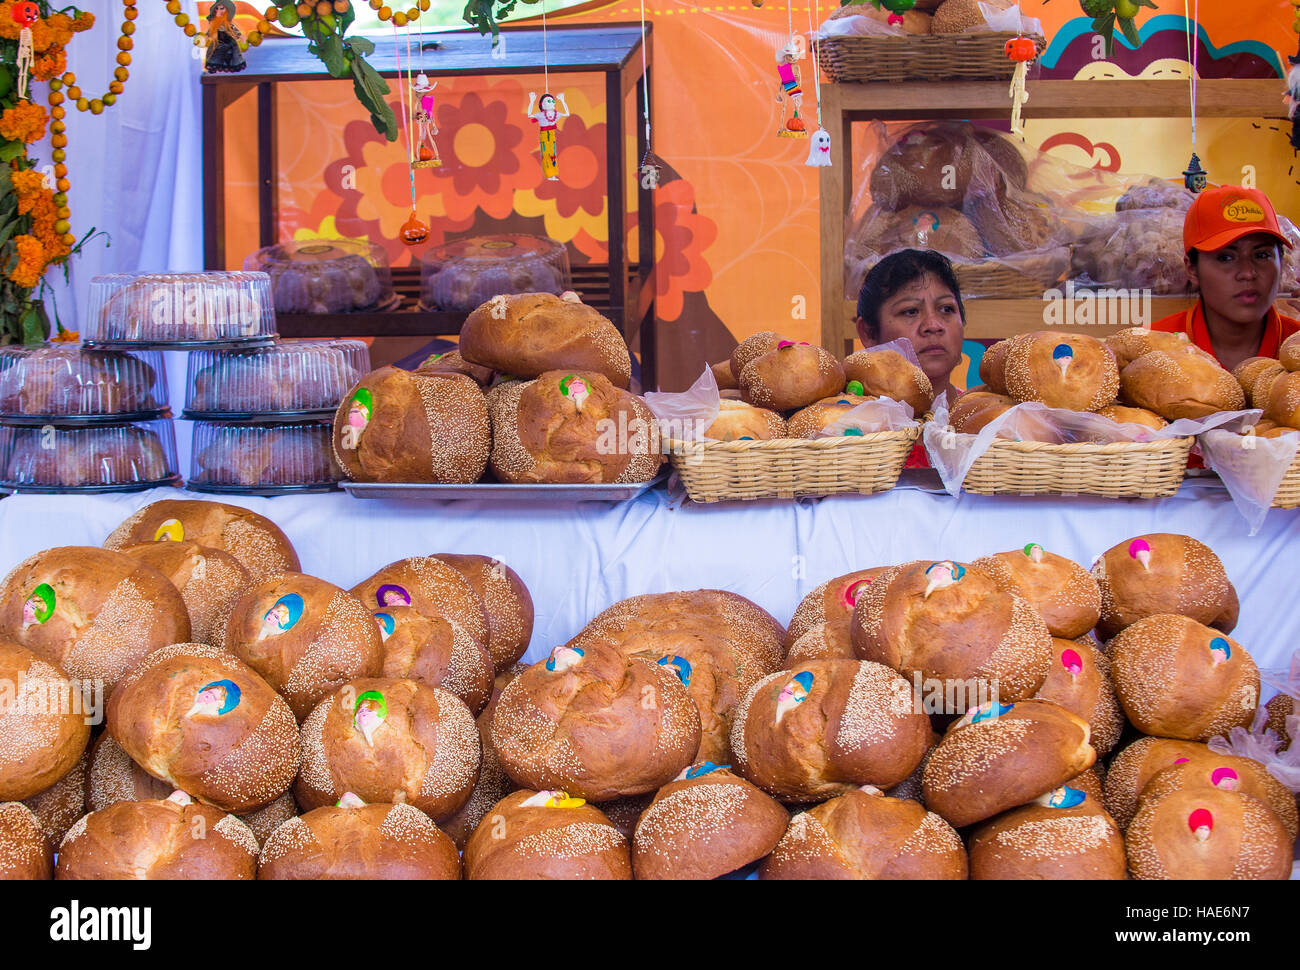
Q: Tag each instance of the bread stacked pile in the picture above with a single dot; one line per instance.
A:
(775, 387)
(1273, 385)
(559, 411)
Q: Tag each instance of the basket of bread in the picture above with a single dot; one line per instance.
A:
(794, 421)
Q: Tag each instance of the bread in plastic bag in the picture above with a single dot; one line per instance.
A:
(1251, 466)
(686, 415)
(1261, 744)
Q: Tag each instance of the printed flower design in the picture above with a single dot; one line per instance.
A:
(682, 236)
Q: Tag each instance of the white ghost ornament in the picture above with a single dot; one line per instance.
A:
(819, 151)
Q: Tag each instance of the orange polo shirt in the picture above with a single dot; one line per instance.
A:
(1192, 323)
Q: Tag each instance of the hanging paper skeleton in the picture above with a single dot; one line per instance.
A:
(25, 14)
(788, 71)
(547, 117)
(1022, 50)
(426, 153)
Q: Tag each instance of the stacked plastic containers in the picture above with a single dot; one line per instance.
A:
(75, 419)
(264, 416)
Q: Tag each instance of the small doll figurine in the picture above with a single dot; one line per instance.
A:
(819, 152)
(547, 117)
(426, 155)
(787, 70)
(1292, 98)
(224, 55)
(1194, 177)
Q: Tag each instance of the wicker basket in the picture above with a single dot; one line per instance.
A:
(1125, 469)
(927, 57)
(1288, 490)
(724, 471)
(995, 280)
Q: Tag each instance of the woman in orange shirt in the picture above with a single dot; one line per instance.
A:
(1233, 247)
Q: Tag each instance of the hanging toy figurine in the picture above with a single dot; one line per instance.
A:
(819, 152)
(25, 14)
(426, 155)
(224, 55)
(788, 70)
(1194, 177)
(1022, 50)
(1292, 98)
(547, 117)
(896, 10)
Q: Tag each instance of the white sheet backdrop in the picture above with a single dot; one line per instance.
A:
(578, 558)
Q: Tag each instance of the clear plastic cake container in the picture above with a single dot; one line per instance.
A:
(178, 311)
(263, 459)
(326, 275)
(99, 458)
(70, 384)
(293, 379)
(465, 274)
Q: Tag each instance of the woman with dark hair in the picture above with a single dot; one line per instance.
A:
(913, 293)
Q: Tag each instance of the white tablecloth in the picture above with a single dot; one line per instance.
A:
(578, 558)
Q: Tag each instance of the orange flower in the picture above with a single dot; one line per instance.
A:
(27, 183)
(31, 262)
(85, 20)
(8, 29)
(65, 336)
(24, 122)
(50, 65)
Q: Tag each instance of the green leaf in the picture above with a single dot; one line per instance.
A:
(33, 325)
(1127, 25)
(330, 51)
(371, 89)
(362, 45)
(11, 150)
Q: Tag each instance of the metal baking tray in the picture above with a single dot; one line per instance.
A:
(499, 492)
(263, 490)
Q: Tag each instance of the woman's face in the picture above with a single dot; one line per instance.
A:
(925, 312)
(1239, 282)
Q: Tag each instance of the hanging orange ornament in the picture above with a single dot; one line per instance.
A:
(414, 231)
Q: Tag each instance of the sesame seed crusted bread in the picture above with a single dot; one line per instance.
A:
(826, 641)
(493, 783)
(59, 806)
(1135, 765)
(832, 601)
(1252, 369)
(1000, 756)
(527, 334)
(811, 421)
(453, 363)
(1262, 389)
(507, 601)
(1079, 680)
(624, 813)
(1284, 399)
(887, 373)
(1128, 345)
(1244, 775)
(864, 834)
(993, 366)
(1163, 573)
(305, 637)
(93, 613)
(827, 726)
(737, 420)
(975, 409)
(1207, 833)
(257, 542)
(435, 652)
(1126, 415)
(43, 730)
(750, 349)
(374, 841)
(24, 851)
(204, 721)
(1180, 384)
(209, 581)
(1177, 678)
(433, 587)
(596, 724)
(1039, 841)
(1279, 709)
(790, 377)
(1059, 588)
(572, 427)
(171, 838)
(524, 837)
(114, 777)
(390, 740)
(263, 821)
(398, 426)
(1062, 370)
(1289, 353)
(705, 826)
(950, 622)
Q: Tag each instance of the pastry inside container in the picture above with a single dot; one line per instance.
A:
(464, 274)
(70, 381)
(325, 275)
(291, 377)
(87, 458)
(180, 308)
(282, 456)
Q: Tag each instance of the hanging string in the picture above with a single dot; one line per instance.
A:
(645, 84)
(817, 81)
(546, 61)
(789, 19)
(401, 93)
(1193, 55)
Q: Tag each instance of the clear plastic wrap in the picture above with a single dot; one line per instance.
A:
(67, 383)
(952, 454)
(1251, 467)
(180, 310)
(1137, 249)
(686, 415)
(262, 459)
(294, 378)
(95, 458)
(869, 417)
(325, 275)
(1261, 744)
(465, 274)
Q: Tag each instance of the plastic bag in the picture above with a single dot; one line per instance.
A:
(858, 25)
(1251, 467)
(901, 346)
(686, 415)
(952, 454)
(1010, 19)
(1261, 744)
(1137, 249)
(880, 414)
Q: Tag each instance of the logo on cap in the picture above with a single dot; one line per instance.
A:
(1243, 210)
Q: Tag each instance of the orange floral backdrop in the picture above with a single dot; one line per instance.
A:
(737, 214)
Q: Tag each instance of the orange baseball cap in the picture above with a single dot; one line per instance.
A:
(1221, 216)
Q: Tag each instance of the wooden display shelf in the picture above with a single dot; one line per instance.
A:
(612, 50)
(845, 104)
